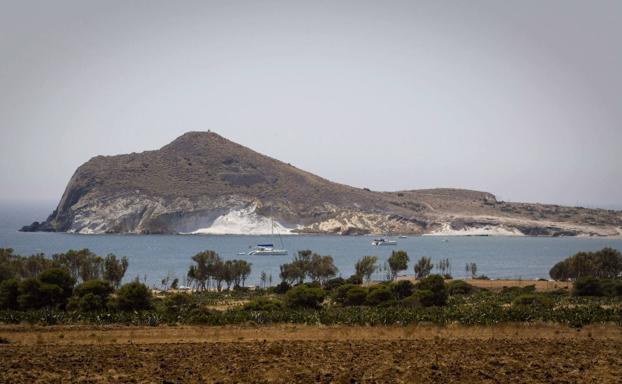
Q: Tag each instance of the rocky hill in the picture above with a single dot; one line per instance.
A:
(204, 183)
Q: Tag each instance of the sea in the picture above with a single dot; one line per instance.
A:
(154, 257)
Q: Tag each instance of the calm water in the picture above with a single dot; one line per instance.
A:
(155, 255)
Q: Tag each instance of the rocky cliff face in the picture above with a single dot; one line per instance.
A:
(204, 183)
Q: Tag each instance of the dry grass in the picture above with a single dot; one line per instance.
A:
(498, 285)
(84, 335)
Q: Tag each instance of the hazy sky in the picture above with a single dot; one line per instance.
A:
(521, 99)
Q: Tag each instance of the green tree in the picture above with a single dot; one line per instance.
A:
(34, 294)
(114, 269)
(133, 296)
(587, 286)
(302, 296)
(606, 263)
(379, 294)
(366, 267)
(91, 295)
(82, 264)
(9, 290)
(402, 288)
(471, 268)
(60, 278)
(436, 285)
(398, 261)
(208, 265)
(321, 268)
(298, 269)
(423, 267)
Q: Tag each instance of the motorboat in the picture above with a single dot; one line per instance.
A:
(267, 250)
(383, 242)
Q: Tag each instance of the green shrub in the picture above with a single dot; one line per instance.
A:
(436, 285)
(302, 296)
(424, 297)
(533, 300)
(282, 287)
(350, 294)
(355, 279)
(60, 278)
(92, 295)
(263, 303)
(174, 303)
(412, 301)
(133, 296)
(517, 291)
(379, 295)
(587, 286)
(402, 289)
(333, 284)
(612, 287)
(34, 294)
(459, 287)
(9, 290)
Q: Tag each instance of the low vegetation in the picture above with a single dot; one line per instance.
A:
(309, 293)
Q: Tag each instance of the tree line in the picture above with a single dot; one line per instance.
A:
(209, 270)
(82, 265)
(605, 263)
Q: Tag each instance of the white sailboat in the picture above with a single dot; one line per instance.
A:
(268, 248)
(383, 241)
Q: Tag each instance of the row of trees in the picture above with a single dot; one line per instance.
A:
(55, 288)
(210, 270)
(397, 262)
(307, 264)
(606, 263)
(82, 265)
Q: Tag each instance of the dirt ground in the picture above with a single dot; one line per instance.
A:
(303, 354)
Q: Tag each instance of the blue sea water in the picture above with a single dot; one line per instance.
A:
(155, 256)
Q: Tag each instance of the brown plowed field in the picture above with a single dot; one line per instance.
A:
(288, 354)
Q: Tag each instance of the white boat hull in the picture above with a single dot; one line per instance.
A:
(381, 243)
(268, 252)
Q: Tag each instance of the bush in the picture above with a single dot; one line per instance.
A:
(402, 289)
(412, 301)
(60, 278)
(421, 297)
(355, 279)
(459, 287)
(263, 303)
(177, 303)
(133, 296)
(302, 296)
(333, 284)
(92, 295)
(517, 291)
(532, 300)
(587, 286)
(379, 295)
(34, 294)
(612, 287)
(282, 287)
(436, 285)
(350, 294)
(9, 290)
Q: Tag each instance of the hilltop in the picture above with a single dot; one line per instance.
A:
(204, 183)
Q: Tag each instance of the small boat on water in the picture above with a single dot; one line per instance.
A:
(383, 241)
(402, 236)
(268, 250)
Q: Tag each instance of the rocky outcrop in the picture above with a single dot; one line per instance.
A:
(204, 183)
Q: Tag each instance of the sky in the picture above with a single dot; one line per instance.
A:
(520, 99)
